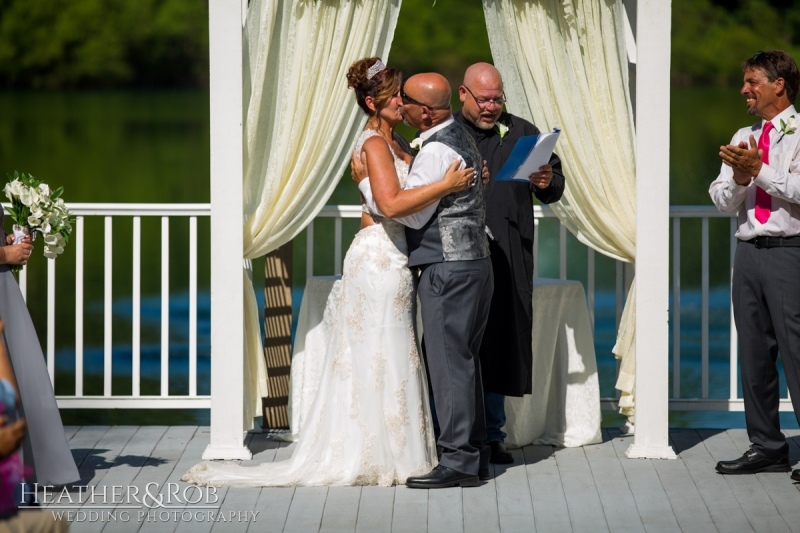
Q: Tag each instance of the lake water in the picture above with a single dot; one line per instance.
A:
(153, 147)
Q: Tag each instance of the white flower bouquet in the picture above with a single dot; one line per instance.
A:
(36, 209)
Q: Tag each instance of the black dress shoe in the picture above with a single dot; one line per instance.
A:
(795, 475)
(484, 474)
(500, 455)
(753, 463)
(442, 477)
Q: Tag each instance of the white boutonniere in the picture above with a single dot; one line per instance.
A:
(788, 127)
(501, 129)
(416, 144)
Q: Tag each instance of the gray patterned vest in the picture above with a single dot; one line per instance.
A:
(456, 231)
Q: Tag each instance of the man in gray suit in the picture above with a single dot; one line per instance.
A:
(447, 244)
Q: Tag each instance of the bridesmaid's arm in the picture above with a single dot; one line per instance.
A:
(16, 254)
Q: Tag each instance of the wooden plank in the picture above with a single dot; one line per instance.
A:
(125, 469)
(375, 510)
(70, 431)
(513, 490)
(410, 512)
(619, 505)
(262, 447)
(687, 504)
(82, 444)
(445, 511)
(176, 452)
(717, 495)
(99, 460)
(480, 508)
(305, 512)
(551, 513)
(238, 509)
(747, 489)
(583, 501)
(651, 498)
(341, 510)
(272, 507)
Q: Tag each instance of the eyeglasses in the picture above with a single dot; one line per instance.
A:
(483, 103)
(762, 58)
(408, 99)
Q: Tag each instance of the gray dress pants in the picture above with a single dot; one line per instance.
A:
(455, 298)
(766, 305)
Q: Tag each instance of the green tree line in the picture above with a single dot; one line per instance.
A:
(65, 44)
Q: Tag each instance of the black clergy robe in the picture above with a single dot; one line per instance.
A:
(506, 355)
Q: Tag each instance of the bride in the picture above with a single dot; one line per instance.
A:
(369, 423)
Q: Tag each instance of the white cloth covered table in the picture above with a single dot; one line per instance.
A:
(564, 409)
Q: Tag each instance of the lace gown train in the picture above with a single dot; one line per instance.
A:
(369, 423)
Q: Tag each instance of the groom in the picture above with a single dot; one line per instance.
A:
(447, 243)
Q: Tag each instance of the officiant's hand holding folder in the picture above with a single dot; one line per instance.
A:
(530, 153)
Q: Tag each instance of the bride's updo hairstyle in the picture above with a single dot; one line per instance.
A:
(368, 77)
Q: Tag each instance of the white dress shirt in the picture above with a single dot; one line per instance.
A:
(780, 178)
(430, 166)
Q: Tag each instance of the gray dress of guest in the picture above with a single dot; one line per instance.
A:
(45, 447)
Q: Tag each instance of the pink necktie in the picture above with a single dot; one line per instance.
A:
(764, 200)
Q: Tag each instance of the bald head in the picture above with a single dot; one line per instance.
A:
(482, 95)
(483, 76)
(430, 88)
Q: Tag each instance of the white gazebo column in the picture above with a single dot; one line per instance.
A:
(653, 26)
(227, 279)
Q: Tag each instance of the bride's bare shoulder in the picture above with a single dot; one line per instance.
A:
(375, 144)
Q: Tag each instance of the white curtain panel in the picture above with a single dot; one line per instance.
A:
(300, 124)
(564, 65)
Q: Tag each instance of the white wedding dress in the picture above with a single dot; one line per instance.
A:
(369, 423)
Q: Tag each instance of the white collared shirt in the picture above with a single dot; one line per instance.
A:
(780, 178)
(430, 166)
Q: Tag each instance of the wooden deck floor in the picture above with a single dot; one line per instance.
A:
(590, 489)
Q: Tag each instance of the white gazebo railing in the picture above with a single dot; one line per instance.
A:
(102, 231)
(100, 245)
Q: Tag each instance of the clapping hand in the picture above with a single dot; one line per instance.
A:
(744, 159)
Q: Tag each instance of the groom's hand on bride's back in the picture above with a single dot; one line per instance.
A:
(358, 167)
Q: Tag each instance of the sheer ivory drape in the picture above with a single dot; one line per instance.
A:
(301, 123)
(564, 64)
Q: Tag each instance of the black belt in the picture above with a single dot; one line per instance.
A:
(773, 242)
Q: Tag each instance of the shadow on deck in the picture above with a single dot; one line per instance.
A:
(594, 488)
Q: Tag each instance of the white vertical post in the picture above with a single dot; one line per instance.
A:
(108, 303)
(164, 306)
(652, 230)
(79, 224)
(193, 306)
(51, 320)
(136, 310)
(227, 279)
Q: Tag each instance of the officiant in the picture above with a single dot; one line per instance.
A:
(506, 356)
